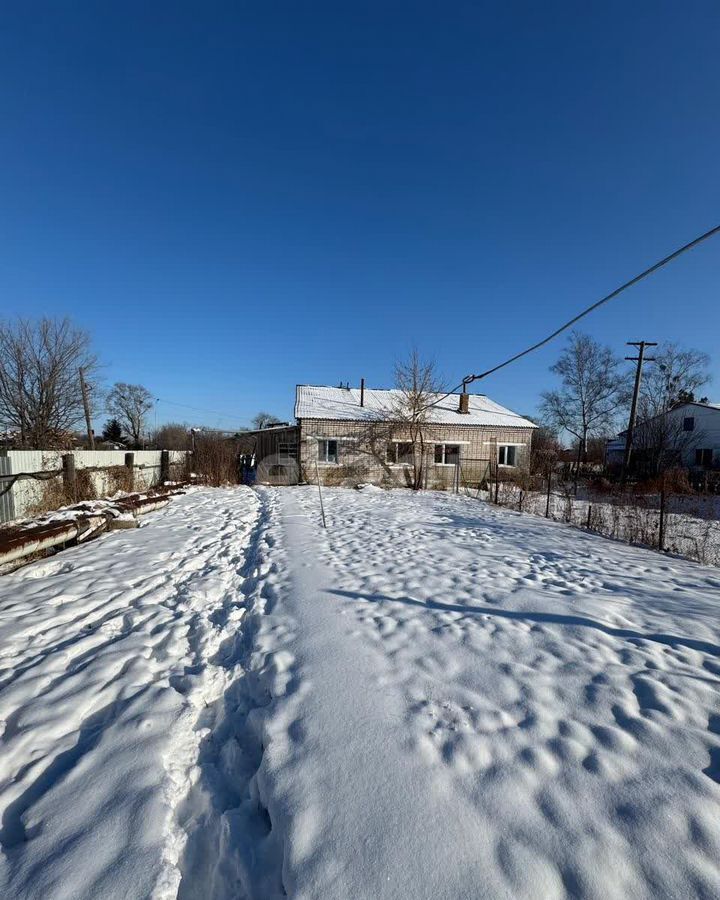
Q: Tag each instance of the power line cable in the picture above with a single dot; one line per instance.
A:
(654, 268)
(608, 297)
(213, 412)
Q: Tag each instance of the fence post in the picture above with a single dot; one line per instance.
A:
(661, 529)
(549, 489)
(7, 500)
(589, 515)
(497, 484)
(130, 466)
(457, 477)
(322, 505)
(520, 501)
(164, 466)
(68, 476)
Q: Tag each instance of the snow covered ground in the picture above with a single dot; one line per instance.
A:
(434, 698)
(111, 656)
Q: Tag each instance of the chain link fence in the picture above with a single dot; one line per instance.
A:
(683, 524)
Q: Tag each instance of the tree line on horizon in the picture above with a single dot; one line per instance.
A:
(41, 399)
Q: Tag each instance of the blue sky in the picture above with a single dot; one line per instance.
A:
(234, 198)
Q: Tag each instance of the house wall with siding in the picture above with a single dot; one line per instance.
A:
(705, 434)
(362, 452)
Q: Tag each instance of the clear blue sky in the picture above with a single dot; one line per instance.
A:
(237, 197)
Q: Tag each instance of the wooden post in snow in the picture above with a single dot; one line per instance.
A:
(549, 490)
(322, 507)
(130, 466)
(164, 466)
(661, 529)
(68, 476)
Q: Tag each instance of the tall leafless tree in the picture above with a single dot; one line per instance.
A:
(130, 404)
(418, 386)
(594, 387)
(40, 395)
(675, 375)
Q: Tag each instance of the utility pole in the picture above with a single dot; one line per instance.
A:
(86, 406)
(639, 359)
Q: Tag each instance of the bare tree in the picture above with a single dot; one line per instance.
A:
(40, 394)
(130, 404)
(172, 436)
(594, 387)
(418, 385)
(263, 419)
(545, 450)
(661, 443)
(673, 378)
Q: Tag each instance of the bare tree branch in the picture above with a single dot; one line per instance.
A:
(593, 388)
(40, 394)
(417, 383)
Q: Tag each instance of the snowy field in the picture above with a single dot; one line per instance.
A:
(434, 698)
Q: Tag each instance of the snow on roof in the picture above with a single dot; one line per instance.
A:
(343, 404)
(694, 403)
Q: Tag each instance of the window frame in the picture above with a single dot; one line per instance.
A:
(689, 423)
(393, 458)
(324, 455)
(287, 451)
(500, 455)
(443, 454)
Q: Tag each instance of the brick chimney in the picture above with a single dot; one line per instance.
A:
(464, 406)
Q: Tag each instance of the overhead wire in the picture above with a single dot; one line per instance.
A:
(611, 296)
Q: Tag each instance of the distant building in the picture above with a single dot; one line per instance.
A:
(688, 435)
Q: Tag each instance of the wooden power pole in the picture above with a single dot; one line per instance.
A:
(86, 406)
(639, 359)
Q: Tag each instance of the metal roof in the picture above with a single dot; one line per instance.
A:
(343, 404)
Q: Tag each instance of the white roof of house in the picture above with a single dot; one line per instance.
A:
(343, 404)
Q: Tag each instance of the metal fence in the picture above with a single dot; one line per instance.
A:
(674, 523)
(30, 480)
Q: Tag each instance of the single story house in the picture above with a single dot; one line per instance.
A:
(348, 435)
(687, 435)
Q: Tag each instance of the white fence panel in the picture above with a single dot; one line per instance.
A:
(27, 495)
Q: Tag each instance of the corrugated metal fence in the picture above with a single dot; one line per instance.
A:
(26, 495)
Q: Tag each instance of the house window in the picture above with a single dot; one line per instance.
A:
(507, 455)
(689, 423)
(328, 451)
(704, 458)
(399, 453)
(447, 454)
(286, 451)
